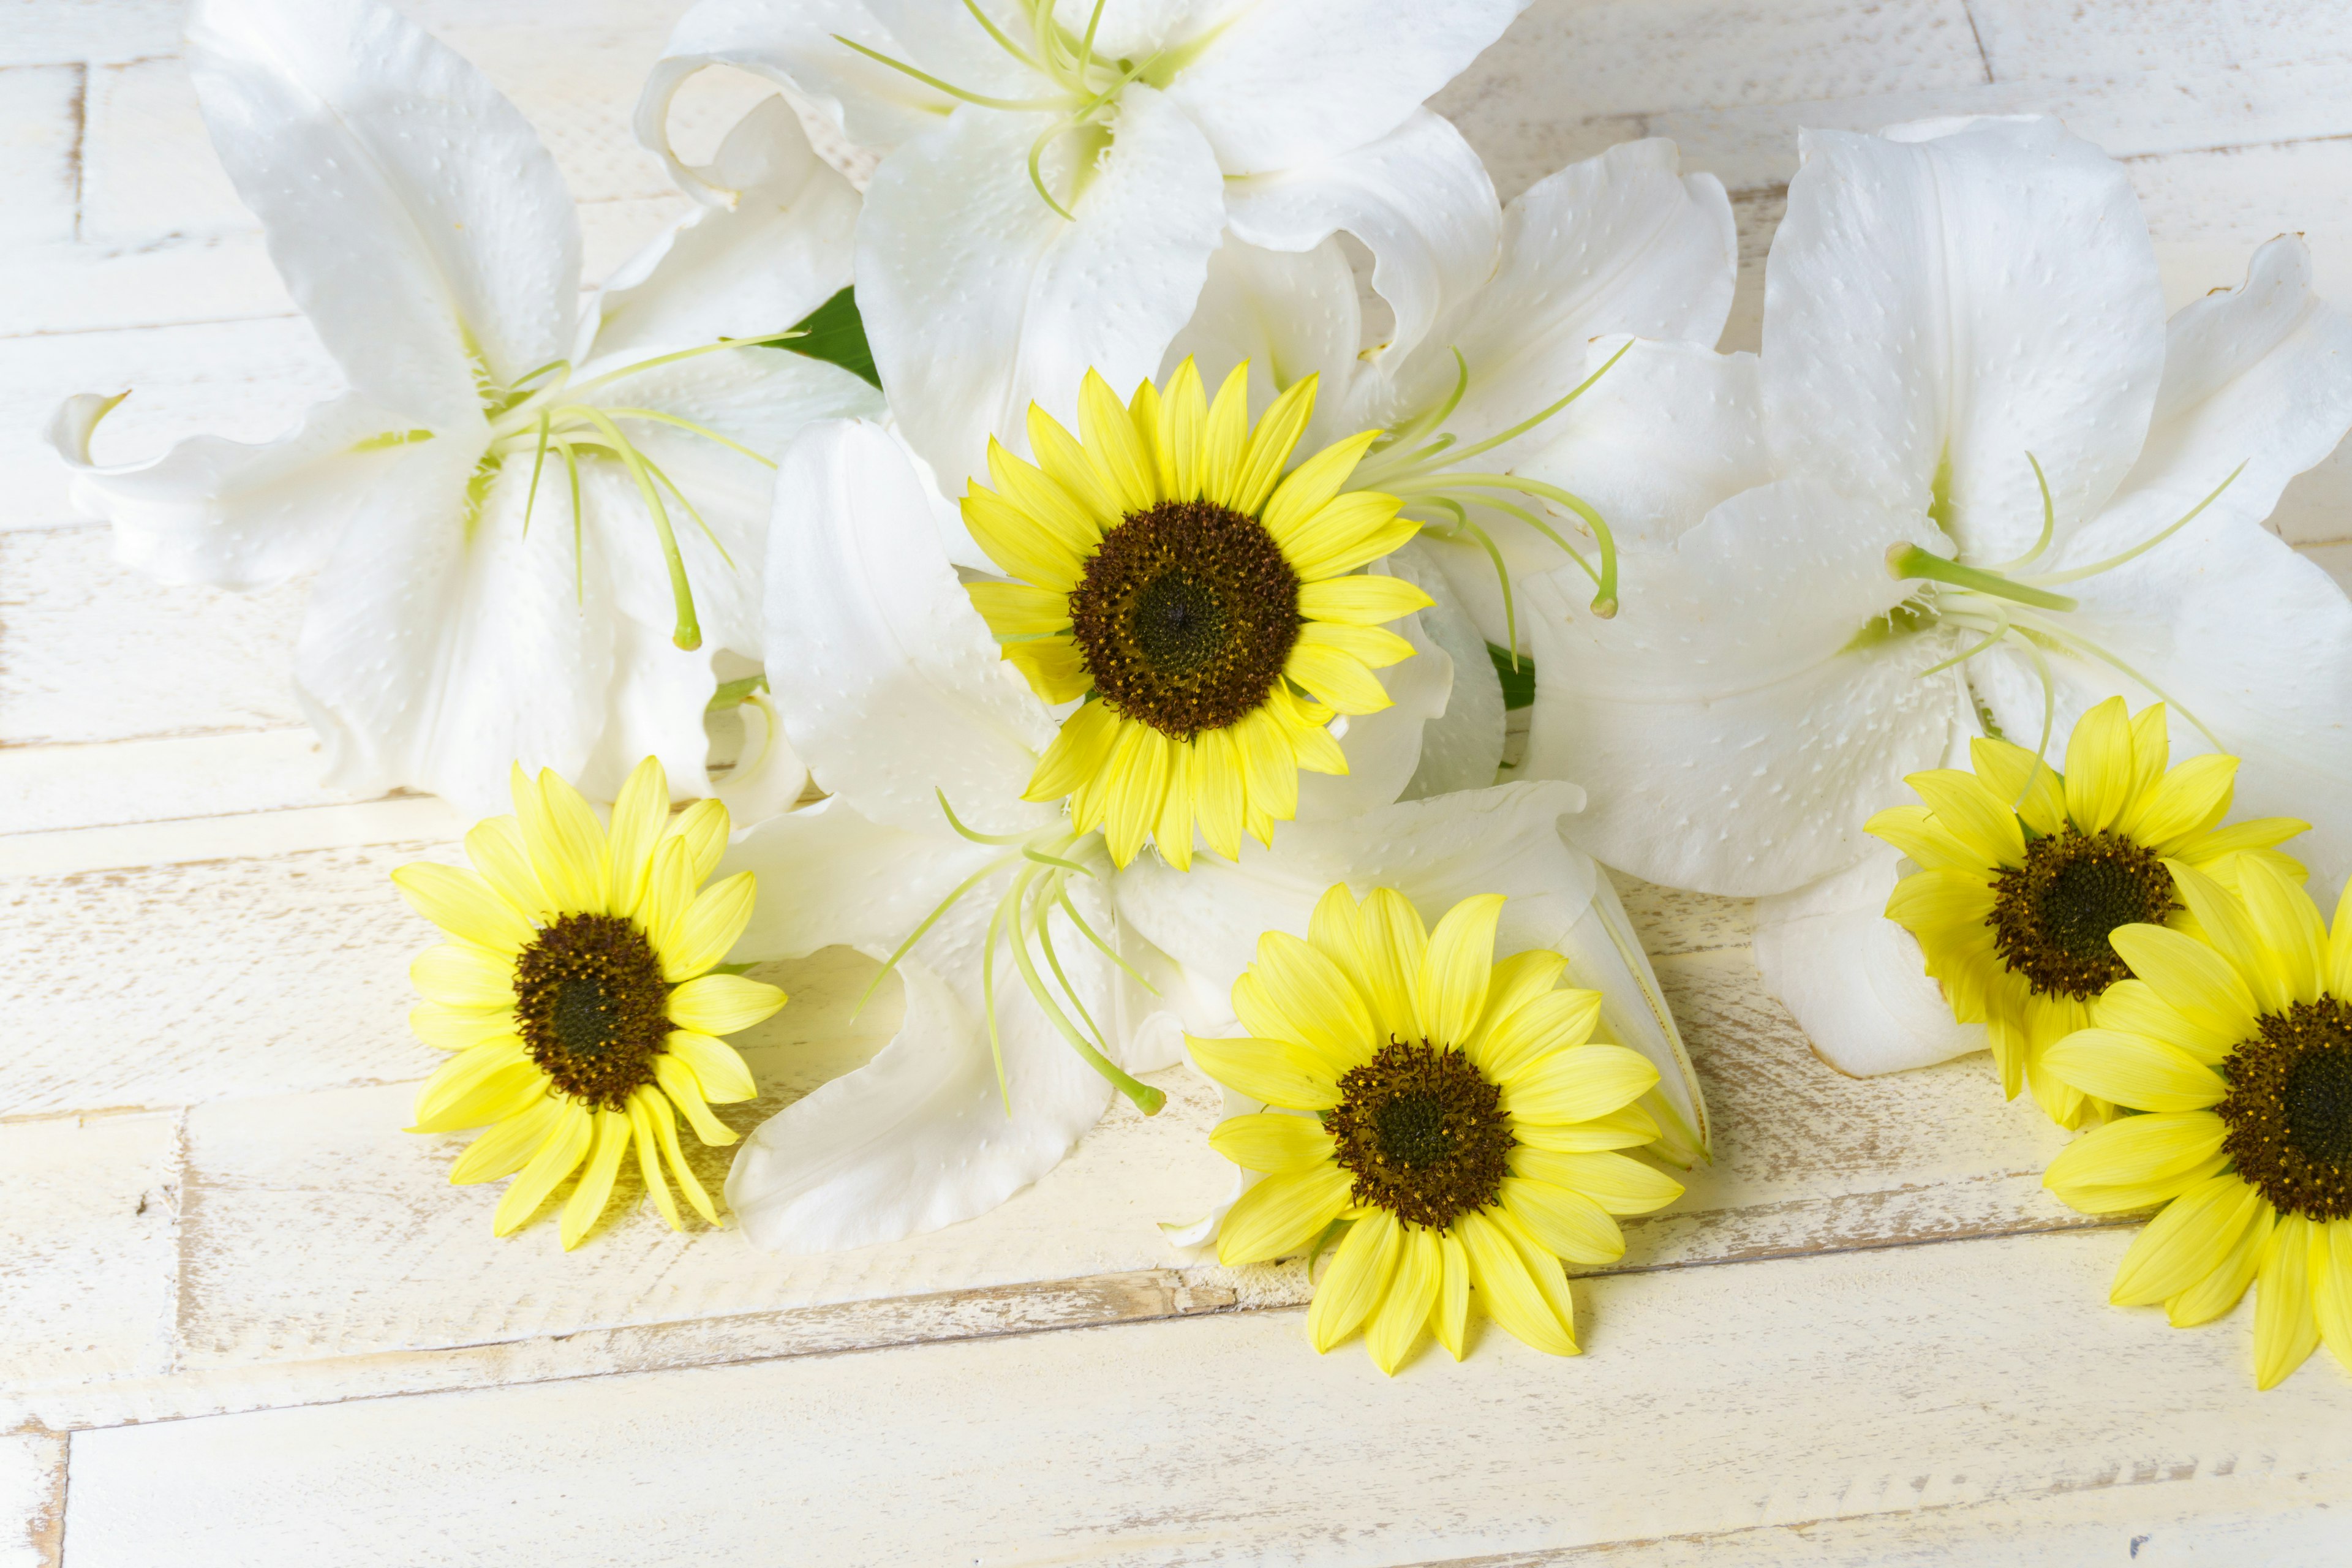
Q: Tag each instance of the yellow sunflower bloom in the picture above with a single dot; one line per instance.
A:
(1206, 605)
(2237, 1050)
(582, 993)
(2024, 872)
(1458, 1120)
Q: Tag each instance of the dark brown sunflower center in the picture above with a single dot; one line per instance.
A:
(2289, 1109)
(1186, 616)
(1422, 1131)
(2051, 917)
(591, 1007)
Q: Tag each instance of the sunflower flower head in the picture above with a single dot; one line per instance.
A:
(2236, 1049)
(2025, 871)
(582, 995)
(1204, 606)
(1458, 1120)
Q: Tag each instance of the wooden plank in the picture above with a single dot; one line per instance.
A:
(397, 819)
(1884, 1385)
(2208, 211)
(2034, 38)
(32, 1497)
(51, 787)
(51, 32)
(40, 115)
(89, 1211)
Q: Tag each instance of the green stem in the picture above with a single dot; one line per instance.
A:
(1907, 562)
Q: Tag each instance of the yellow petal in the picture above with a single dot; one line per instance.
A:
(1412, 1292)
(1914, 830)
(2023, 780)
(1139, 782)
(1627, 1129)
(1171, 831)
(1618, 1184)
(658, 1113)
(495, 845)
(1269, 766)
(2136, 1150)
(2223, 921)
(1224, 435)
(1073, 524)
(1927, 903)
(2186, 1242)
(2287, 1327)
(2190, 977)
(507, 1147)
(595, 1189)
(1577, 1085)
(454, 1028)
(711, 925)
(1272, 1072)
(2099, 767)
(1556, 1021)
(677, 1081)
(2134, 1007)
(1281, 1214)
(1183, 422)
(1360, 601)
(1512, 1295)
(463, 977)
(2190, 799)
(1054, 667)
(646, 1141)
(1356, 529)
(566, 1146)
(718, 1067)
(639, 815)
(1217, 792)
(1150, 435)
(1018, 544)
(702, 828)
(1396, 944)
(1450, 992)
(1079, 753)
(1973, 813)
(2331, 1286)
(670, 893)
(1310, 487)
(564, 839)
(2287, 925)
(2220, 1289)
(1270, 445)
(1451, 1315)
(1019, 610)
(1115, 445)
(1567, 1225)
(1271, 1142)
(1355, 1280)
(2134, 1070)
(476, 1086)
(1065, 461)
(722, 1003)
(462, 904)
(1311, 1001)
(1336, 678)
(1373, 647)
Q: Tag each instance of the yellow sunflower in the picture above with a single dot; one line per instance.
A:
(1459, 1122)
(1206, 605)
(2238, 1048)
(583, 994)
(2024, 872)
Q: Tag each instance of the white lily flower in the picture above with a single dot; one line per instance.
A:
(1007, 927)
(531, 524)
(1054, 177)
(1504, 430)
(1979, 485)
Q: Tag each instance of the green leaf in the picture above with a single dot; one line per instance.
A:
(1519, 680)
(836, 334)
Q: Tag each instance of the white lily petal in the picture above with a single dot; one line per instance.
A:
(1418, 199)
(784, 249)
(1461, 748)
(918, 1137)
(1290, 314)
(796, 44)
(651, 707)
(1622, 243)
(1274, 87)
(233, 514)
(444, 230)
(1670, 431)
(891, 688)
(769, 776)
(1744, 714)
(1437, 852)
(1855, 982)
(1965, 296)
(480, 653)
(979, 299)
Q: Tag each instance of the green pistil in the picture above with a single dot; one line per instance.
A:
(1907, 562)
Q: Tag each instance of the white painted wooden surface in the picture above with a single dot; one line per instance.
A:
(243, 1319)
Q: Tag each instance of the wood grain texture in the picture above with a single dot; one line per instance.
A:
(32, 1497)
(88, 1214)
(1896, 1384)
